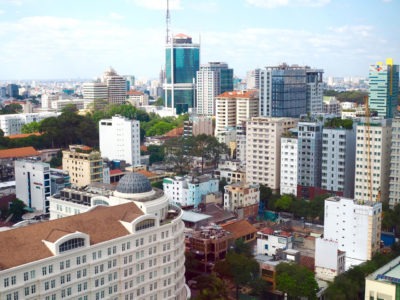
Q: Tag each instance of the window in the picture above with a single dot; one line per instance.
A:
(72, 244)
(6, 282)
(145, 224)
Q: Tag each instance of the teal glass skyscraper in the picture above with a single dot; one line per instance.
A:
(384, 88)
(182, 61)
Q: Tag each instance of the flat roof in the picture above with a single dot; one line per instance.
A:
(389, 272)
(194, 217)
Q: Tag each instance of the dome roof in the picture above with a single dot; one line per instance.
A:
(134, 183)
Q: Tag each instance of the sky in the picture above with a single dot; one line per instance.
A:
(59, 39)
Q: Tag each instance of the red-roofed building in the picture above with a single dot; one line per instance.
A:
(7, 158)
(137, 98)
(269, 241)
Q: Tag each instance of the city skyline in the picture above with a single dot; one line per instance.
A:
(47, 39)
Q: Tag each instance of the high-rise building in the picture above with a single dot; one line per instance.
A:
(94, 92)
(384, 88)
(213, 79)
(355, 225)
(119, 139)
(253, 79)
(263, 149)
(12, 90)
(309, 157)
(289, 164)
(197, 125)
(290, 91)
(109, 252)
(338, 159)
(32, 181)
(83, 164)
(116, 86)
(233, 108)
(373, 144)
(182, 61)
(394, 181)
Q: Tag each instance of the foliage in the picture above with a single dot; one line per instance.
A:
(176, 154)
(13, 108)
(339, 123)
(222, 184)
(17, 210)
(156, 153)
(159, 128)
(296, 280)
(391, 219)
(31, 127)
(284, 202)
(348, 96)
(158, 184)
(56, 161)
(211, 287)
(159, 102)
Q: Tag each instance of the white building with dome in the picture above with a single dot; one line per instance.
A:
(103, 243)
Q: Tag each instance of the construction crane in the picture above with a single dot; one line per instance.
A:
(367, 138)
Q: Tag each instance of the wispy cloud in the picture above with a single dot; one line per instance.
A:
(116, 16)
(157, 4)
(282, 3)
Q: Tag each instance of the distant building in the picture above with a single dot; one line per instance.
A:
(119, 139)
(7, 158)
(137, 98)
(289, 165)
(331, 106)
(384, 88)
(12, 124)
(263, 148)
(233, 108)
(32, 180)
(12, 90)
(94, 93)
(376, 174)
(182, 61)
(290, 91)
(83, 165)
(188, 191)
(59, 179)
(253, 79)
(338, 159)
(116, 86)
(230, 171)
(197, 125)
(213, 79)
(242, 198)
(355, 226)
(269, 241)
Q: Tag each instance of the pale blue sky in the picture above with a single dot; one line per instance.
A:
(44, 39)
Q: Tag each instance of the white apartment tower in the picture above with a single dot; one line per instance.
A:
(355, 225)
(263, 149)
(32, 181)
(116, 86)
(289, 161)
(233, 108)
(116, 252)
(213, 79)
(120, 139)
(338, 160)
(373, 144)
(94, 92)
(394, 184)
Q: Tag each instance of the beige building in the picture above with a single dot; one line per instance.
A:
(378, 151)
(242, 196)
(137, 98)
(83, 164)
(383, 283)
(116, 86)
(232, 108)
(263, 149)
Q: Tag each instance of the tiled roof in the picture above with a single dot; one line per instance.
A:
(146, 173)
(134, 93)
(239, 228)
(116, 171)
(24, 245)
(239, 94)
(23, 135)
(18, 152)
(174, 132)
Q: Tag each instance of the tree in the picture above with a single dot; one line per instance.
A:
(56, 161)
(17, 210)
(265, 193)
(31, 127)
(176, 154)
(295, 280)
(159, 128)
(284, 202)
(211, 288)
(159, 102)
(13, 108)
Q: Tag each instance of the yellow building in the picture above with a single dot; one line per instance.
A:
(83, 165)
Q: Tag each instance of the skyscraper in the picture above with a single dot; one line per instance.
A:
(290, 91)
(384, 88)
(213, 79)
(182, 61)
(116, 86)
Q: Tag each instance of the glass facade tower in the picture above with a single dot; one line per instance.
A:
(383, 88)
(182, 61)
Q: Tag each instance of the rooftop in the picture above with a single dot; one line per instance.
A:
(24, 245)
(194, 217)
(239, 228)
(23, 135)
(18, 152)
(239, 94)
(388, 273)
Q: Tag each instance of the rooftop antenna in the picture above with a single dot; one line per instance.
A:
(168, 23)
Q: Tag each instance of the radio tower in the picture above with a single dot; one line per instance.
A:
(168, 23)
